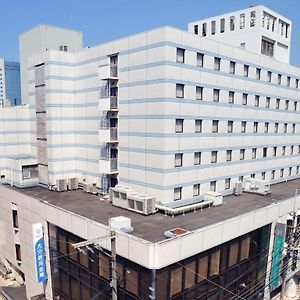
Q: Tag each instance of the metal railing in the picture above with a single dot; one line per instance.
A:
(114, 134)
(113, 102)
(114, 70)
(113, 164)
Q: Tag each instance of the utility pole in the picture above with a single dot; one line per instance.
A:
(114, 287)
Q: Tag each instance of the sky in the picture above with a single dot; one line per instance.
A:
(105, 20)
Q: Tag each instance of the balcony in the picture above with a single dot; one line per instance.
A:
(108, 165)
(108, 135)
(108, 72)
(109, 103)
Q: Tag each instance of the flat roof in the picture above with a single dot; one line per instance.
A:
(152, 227)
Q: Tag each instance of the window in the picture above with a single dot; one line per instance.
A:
(227, 183)
(18, 252)
(198, 126)
(256, 102)
(276, 127)
(230, 126)
(252, 18)
(299, 149)
(290, 171)
(279, 76)
(231, 97)
(215, 126)
(243, 126)
(242, 154)
(268, 102)
(232, 21)
(199, 93)
(277, 103)
(175, 281)
(293, 128)
(241, 178)
(266, 127)
(281, 172)
(285, 125)
(243, 45)
(200, 59)
(213, 186)
(295, 105)
(267, 48)
(178, 125)
(269, 76)
(180, 55)
(272, 174)
(292, 150)
(296, 83)
(177, 193)
(297, 170)
(196, 190)
(222, 25)
(274, 151)
(217, 63)
(232, 67)
(286, 104)
(254, 153)
(216, 95)
(245, 99)
(178, 159)
(214, 262)
(202, 268)
(288, 81)
(233, 254)
(213, 27)
(197, 158)
(214, 156)
(283, 150)
(265, 152)
(246, 70)
(242, 21)
(179, 90)
(258, 73)
(245, 246)
(228, 155)
(66, 48)
(255, 127)
(196, 29)
(15, 218)
(263, 175)
(252, 175)
(204, 27)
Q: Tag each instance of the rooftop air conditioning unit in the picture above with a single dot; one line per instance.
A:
(215, 197)
(238, 189)
(121, 223)
(141, 204)
(61, 185)
(257, 186)
(73, 183)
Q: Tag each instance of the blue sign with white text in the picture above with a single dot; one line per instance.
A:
(40, 260)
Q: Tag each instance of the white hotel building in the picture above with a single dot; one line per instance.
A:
(171, 114)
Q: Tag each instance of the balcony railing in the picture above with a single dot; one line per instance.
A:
(113, 102)
(114, 70)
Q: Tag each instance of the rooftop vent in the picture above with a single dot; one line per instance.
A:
(215, 197)
(121, 223)
(175, 232)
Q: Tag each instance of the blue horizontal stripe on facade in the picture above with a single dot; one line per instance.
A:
(195, 135)
(87, 146)
(171, 187)
(203, 166)
(9, 144)
(80, 159)
(205, 117)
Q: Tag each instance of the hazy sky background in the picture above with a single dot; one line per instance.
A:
(101, 20)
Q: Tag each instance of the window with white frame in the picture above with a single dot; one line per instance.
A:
(178, 159)
(197, 158)
(196, 29)
(200, 59)
(295, 105)
(231, 97)
(286, 104)
(204, 29)
(277, 103)
(281, 172)
(214, 156)
(216, 95)
(243, 126)
(242, 21)
(217, 63)
(252, 175)
(269, 76)
(213, 27)
(274, 151)
(232, 23)
(263, 175)
(232, 65)
(279, 77)
(215, 126)
(230, 126)
(255, 127)
(254, 153)
(292, 150)
(267, 48)
(198, 126)
(266, 127)
(213, 186)
(272, 174)
(265, 152)
(290, 171)
(177, 193)
(283, 150)
(288, 81)
(258, 73)
(268, 102)
(296, 83)
(293, 128)
(285, 126)
(276, 125)
(246, 70)
(245, 99)
(199, 92)
(179, 90)
(228, 155)
(256, 101)
(178, 125)
(297, 170)
(252, 18)
(227, 183)
(242, 154)
(180, 55)
(196, 190)
(222, 25)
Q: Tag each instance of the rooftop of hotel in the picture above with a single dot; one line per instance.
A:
(152, 227)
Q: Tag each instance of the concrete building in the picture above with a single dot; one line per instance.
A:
(10, 86)
(167, 115)
(44, 37)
